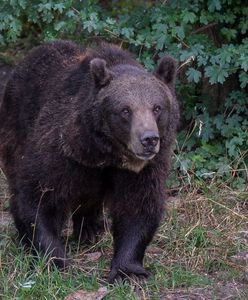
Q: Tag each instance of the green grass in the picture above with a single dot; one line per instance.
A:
(191, 254)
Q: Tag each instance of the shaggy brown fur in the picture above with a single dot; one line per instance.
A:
(79, 124)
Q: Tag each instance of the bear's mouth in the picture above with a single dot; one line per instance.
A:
(146, 155)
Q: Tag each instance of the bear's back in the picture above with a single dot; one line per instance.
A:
(22, 100)
(35, 74)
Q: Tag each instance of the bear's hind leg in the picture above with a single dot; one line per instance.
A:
(50, 245)
(23, 235)
(87, 224)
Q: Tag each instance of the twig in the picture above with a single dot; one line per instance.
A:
(205, 27)
(189, 60)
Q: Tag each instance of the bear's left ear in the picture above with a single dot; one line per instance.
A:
(166, 70)
(101, 74)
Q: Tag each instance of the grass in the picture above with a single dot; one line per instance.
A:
(191, 256)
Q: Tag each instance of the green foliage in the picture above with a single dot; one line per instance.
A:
(216, 146)
(209, 39)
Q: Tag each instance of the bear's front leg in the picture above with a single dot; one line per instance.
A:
(136, 208)
(39, 223)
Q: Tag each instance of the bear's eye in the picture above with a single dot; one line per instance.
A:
(125, 112)
(157, 109)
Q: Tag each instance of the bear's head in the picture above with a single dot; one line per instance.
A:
(136, 107)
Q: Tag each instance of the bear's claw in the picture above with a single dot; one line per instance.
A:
(130, 272)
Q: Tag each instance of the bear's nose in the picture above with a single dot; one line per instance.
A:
(149, 139)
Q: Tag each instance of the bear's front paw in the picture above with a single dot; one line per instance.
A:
(131, 271)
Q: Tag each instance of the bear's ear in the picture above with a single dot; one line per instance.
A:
(101, 74)
(166, 70)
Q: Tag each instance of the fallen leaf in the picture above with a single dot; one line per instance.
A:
(83, 295)
(154, 250)
(93, 256)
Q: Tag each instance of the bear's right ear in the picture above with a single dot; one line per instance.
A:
(166, 71)
(101, 74)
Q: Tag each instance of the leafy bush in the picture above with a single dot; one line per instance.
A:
(207, 37)
(216, 146)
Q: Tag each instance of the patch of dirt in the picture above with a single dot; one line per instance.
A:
(83, 295)
(230, 291)
(5, 220)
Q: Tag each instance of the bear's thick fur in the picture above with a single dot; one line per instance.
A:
(79, 127)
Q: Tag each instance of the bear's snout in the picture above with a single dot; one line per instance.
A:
(150, 144)
(144, 135)
(149, 140)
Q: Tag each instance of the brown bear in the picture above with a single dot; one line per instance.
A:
(80, 127)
